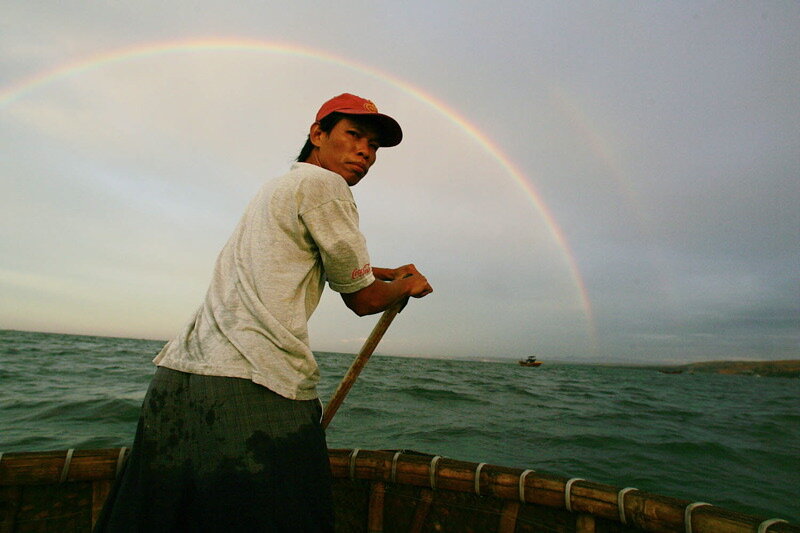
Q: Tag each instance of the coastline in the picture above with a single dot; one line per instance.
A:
(788, 368)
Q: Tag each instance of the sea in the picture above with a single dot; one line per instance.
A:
(733, 441)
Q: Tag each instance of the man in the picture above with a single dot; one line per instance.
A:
(229, 437)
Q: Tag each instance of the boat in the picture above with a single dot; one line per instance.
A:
(386, 490)
(530, 361)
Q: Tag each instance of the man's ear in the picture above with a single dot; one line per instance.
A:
(315, 133)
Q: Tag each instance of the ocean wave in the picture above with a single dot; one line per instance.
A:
(85, 410)
(699, 437)
(439, 395)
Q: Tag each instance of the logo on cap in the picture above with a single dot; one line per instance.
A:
(369, 106)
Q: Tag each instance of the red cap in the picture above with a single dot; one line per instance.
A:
(350, 104)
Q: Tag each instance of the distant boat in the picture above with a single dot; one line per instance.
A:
(530, 361)
(671, 371)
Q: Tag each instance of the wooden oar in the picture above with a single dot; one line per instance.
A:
(361, 360)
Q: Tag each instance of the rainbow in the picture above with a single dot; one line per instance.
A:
(17, 90)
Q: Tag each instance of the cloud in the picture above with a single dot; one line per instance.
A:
(661, 138)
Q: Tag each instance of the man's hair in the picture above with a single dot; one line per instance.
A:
(326, 124)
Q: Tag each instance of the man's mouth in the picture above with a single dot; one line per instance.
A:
(362, 168)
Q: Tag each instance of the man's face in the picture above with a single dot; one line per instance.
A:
(349, 149)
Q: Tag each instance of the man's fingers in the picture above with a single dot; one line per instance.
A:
(406, 270)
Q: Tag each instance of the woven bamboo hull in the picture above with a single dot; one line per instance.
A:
(384, 491)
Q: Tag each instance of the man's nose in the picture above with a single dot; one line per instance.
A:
(363, 148)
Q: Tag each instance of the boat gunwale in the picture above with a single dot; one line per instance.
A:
(629, 506)
(641, 509)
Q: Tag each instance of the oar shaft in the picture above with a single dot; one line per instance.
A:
(360, 362)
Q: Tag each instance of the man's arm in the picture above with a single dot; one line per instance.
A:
(390, 286)
(384, 274)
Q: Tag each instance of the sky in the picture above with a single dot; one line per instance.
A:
(583, 181)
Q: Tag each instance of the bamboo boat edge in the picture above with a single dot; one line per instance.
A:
(628, 506)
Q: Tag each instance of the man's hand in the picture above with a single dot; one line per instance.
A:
(419, 284)
(391, 285)
(391, 274)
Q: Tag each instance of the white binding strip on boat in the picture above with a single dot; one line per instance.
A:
(567, 492)
(621, 503)
(65, 470)
(434, 461)
(687, 514)
(121, 460)
(478, 478)
(353, 462)
(522, 477)
(764, 526)
(394, 465)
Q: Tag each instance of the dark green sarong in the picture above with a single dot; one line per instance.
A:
(222, 454)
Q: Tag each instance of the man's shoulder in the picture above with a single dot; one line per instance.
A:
(317, 182)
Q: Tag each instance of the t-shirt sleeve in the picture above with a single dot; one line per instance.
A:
(334, 227)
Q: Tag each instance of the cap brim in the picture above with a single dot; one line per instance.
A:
(389, 130)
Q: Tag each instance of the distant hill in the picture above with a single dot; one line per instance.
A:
(784, 369)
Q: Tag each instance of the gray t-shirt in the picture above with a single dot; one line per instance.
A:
(298, 232)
